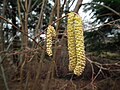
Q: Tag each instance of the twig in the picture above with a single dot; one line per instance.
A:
(53, 12)
(78, 5)
(21, 73)
(71, 4)
(63, 5)
(8, 22)
(33, 5)
(21, 31)
(107, 7)
(40, 17)
(96, 75)
(27, 81)
(7, 49)
(65, 85)
(75, 86)
(29, 5)
(22, 5)
(109, 23)
(58, 19)
(58, 14)
(4, 77)
(39, 68)
(92, 70)
(51, 24)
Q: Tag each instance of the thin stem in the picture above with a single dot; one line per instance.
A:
(78, 5)
(20, 31)
(4, 77)
(107, 7)
(58, 14)
(40, 17)
(53, 12)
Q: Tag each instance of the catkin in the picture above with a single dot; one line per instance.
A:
(71, 42)
(50, 33)
(75, 44)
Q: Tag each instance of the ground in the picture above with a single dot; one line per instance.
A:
(31, 79)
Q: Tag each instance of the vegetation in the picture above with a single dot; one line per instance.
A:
(30, 60)
(106, 37)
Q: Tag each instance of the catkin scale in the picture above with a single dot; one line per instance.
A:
(75, 44)
(50, 33)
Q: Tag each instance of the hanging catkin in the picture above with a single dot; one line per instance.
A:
(71, 42)
(75, 44)
(50, 33)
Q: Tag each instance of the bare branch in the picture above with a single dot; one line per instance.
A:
(107, 7)
(78, 5)
(40, 17)
(53, 12)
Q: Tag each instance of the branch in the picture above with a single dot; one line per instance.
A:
(109, 23)
(78, 5)
(53, 12)
(40, 17)
(107, 14)
(8, 22)
(4, 76)
(107, 7)
(58, 14)
(20, 30)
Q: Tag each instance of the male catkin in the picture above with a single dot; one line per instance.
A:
(50, 33)
(76, 44)
(71, 42)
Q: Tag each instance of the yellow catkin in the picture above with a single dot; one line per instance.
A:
(50, 33)
(76, 47)
(71, 42)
